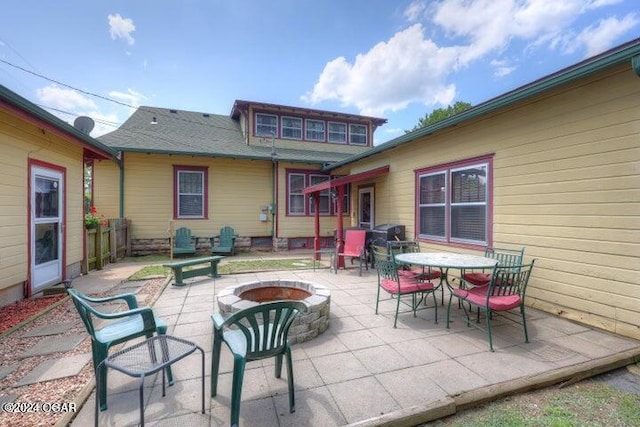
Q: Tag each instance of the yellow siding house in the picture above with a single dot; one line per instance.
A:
(41, 197)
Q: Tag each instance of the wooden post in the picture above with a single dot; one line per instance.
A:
(113, 239)
(128, 237)
(99, 260)
(171, 233)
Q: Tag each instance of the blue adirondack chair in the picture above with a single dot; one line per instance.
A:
(226, 242)
(182, 242)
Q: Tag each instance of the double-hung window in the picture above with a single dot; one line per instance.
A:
(190, 194)
(325, 197)
(357, 134)
(266, 124)
(296, 183)
(453, 202)
(291, 128)
(314, 130)
(337, 132)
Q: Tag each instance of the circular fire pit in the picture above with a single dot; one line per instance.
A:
(307, 326)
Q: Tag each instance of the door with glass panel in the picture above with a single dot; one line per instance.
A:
(365, 208)
(46, 227)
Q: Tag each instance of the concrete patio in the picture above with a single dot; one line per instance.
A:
(361, 371)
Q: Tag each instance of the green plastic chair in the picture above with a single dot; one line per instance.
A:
(182, 242)
(399, 286)
(254, 333)
(505, 292)
(122, 326)
(226, 242)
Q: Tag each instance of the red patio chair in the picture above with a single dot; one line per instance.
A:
(354, 247)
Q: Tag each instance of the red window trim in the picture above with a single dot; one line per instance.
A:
(446, 167)
(205, 171)
(307, 210)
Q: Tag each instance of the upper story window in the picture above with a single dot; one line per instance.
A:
(291, 127)
(190, 192)
(314, 130)
(311, 129)
(337, 132)
(357, 134)
(453, 202)
(266, 124)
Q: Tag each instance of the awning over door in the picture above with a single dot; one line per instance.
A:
(361, 176)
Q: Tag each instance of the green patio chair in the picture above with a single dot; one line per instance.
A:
(226, 242)
(426, 274)
(120, 327)
(182, 242)
(254, 333)
(400, 286)
(505, 292)
(506, 258)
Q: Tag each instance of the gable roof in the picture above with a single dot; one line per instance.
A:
(24, 108)
(629, 51)
(168, 131)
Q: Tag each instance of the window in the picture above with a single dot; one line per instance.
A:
(296, 183)
(291, 128)
(325, 197)
(314, 130)
(453, 203)
(301, 205)
(337, 132)
(266, 124)
(190, 196)
(357, 134)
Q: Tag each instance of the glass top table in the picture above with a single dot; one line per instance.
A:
(148, 357)
(446, 260)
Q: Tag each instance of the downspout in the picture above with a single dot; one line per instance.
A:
(121, 201)
(274, 186)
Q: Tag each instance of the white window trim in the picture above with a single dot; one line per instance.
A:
(346, 129)
(283, 127)
(256, 124)
(201, 194)
(290, 193)
(366, 139)
(324, 132)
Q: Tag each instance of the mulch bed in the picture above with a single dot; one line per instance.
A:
(19, 311)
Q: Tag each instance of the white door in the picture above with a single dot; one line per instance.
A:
(365, 208)
(46, 227)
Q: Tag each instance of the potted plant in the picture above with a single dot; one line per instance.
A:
(93, 219)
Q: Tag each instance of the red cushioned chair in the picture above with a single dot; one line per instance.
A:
(505, 292)
(505, 257)
(354, 247)
(421, 273)
(401, 288)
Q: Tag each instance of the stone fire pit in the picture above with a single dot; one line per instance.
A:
(307, 326)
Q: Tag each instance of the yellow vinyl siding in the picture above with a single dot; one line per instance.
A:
(106, 188)
(566, 185)
(21, 141)
(237, 190)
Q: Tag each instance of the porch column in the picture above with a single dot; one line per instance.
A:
(316, 238)
(339, 226)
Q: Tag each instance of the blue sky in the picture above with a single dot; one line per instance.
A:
(393, 59)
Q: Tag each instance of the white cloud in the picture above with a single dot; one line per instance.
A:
(130, 97)
(69, 104)
(502, 68)
(121, 28)
(411, 68)
(64, 99)
(407, 68)
(415, 10)
(599, 37)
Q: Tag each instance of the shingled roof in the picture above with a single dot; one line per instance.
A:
(165, 131)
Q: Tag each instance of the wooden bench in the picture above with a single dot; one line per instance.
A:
(180, 274)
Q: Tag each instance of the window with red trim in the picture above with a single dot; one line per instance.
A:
(190, 192)
(300, 205)
(452, 202)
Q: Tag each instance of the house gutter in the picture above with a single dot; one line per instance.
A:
(629, 51)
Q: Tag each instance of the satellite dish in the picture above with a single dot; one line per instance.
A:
(84, 124)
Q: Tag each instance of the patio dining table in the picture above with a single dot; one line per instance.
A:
(446, 260)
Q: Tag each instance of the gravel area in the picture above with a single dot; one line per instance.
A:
(69, 390)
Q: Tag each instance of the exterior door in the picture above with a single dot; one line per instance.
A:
(365, 208)
(46, 227)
